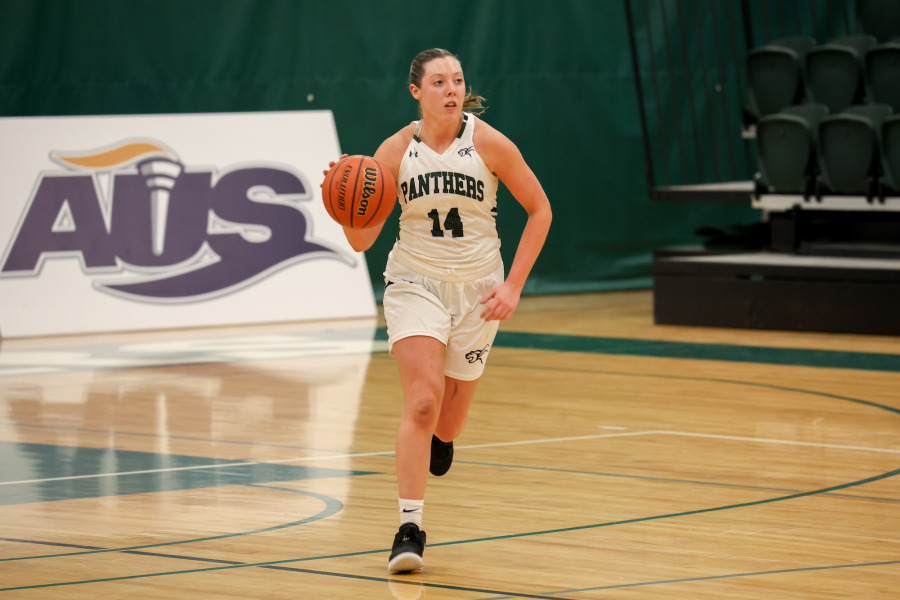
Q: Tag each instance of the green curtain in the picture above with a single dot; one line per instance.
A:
(557, 75)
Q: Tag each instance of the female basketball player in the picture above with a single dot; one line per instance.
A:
(445, 293)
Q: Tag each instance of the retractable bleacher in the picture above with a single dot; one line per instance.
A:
(828, 187)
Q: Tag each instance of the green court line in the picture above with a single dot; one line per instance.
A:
(474, 540)
(332, 506)
(832, 359)
(757, 488)
(719, 352)
(276, 566)
(686, 513)
(576, 348)
(768, 386)
(656, 376)
(619, 586)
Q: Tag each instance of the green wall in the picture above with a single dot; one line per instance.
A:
(557, 75)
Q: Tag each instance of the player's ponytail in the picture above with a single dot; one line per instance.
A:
(474, 103)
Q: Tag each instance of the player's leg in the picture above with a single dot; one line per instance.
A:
(455, 408)
(420, 361)
(454, 415)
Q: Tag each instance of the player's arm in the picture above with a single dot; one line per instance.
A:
(389, 154)
(502, 157)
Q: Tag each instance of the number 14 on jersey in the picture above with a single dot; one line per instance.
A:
(452, 223)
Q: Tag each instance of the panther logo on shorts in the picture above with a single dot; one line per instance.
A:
(477, 355)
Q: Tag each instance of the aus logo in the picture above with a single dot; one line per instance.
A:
(154, 229)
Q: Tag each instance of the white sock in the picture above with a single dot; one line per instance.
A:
(411, 511)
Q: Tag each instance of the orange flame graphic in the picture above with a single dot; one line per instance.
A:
(115, 156)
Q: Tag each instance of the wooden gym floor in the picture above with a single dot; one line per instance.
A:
(605, 457)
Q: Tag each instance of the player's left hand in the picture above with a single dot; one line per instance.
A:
(500, 303)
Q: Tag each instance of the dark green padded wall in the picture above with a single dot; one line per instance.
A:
(557, 75)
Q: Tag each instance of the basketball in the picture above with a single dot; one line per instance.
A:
(359, 192)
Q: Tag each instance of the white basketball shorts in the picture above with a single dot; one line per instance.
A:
(415, 304)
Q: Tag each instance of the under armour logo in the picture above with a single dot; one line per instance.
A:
(466, 151)
(414, 153)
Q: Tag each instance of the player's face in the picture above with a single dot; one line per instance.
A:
(443, 88)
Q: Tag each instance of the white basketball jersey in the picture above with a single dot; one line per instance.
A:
(448, 202)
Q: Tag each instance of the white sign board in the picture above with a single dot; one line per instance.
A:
(116, 223)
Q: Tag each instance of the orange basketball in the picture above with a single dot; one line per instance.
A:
(359, 192)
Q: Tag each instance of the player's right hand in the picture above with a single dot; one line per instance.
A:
(331, 165)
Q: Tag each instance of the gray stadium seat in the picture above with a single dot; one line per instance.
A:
(890, 153)
(883, 73)
(849, 149)
(835, 72)
(775, 76)
(786, 144)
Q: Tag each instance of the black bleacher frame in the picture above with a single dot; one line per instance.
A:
(694, 157)
(778, 287)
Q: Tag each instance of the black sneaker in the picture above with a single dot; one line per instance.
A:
(441, 456)
(409, 545)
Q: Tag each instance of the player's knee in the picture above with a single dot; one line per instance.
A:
(423, 409)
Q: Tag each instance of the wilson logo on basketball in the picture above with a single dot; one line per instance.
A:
(369, 190)
(158, 230)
